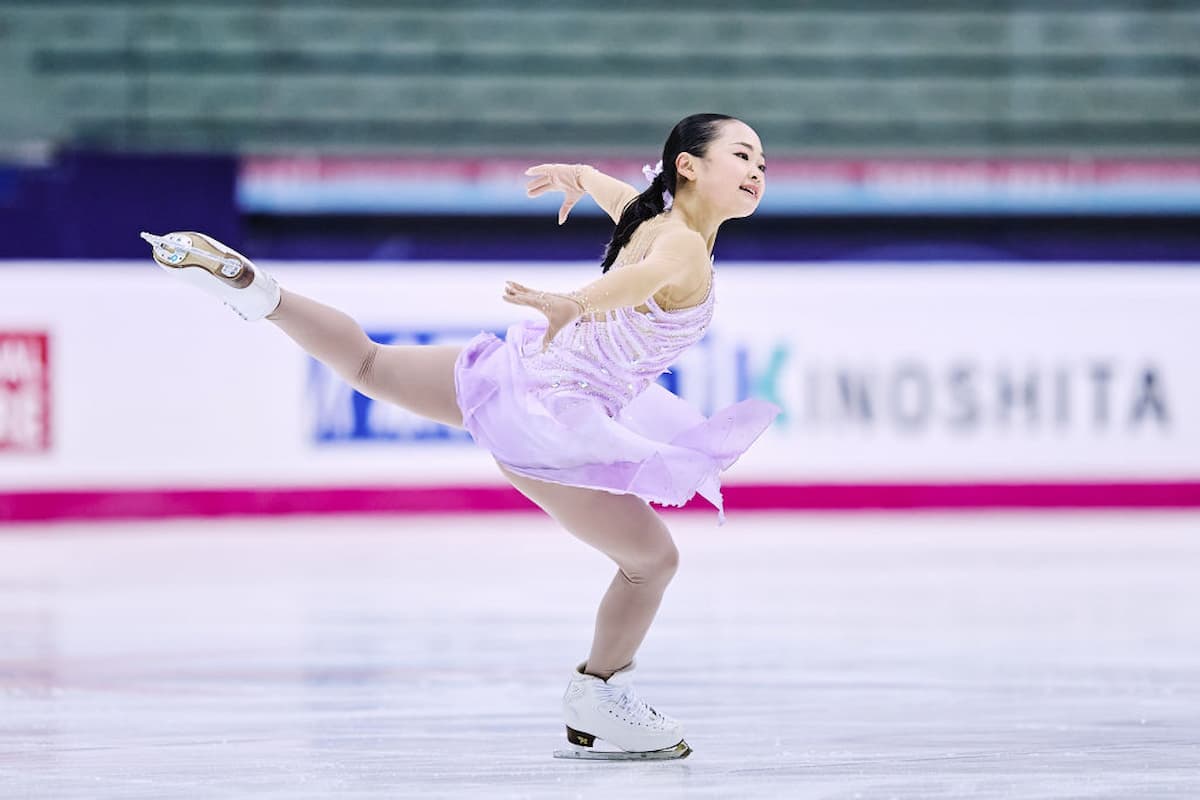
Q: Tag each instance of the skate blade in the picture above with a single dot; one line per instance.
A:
(172, 254)
(681, 750)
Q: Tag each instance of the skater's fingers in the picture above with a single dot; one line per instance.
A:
(552, 330)
(540, 169)
(518, 300)
(524, 299)
(567, 205)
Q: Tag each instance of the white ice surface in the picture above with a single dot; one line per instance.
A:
(872, 656)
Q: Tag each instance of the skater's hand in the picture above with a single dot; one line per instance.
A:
(559, 309)
(559, 178)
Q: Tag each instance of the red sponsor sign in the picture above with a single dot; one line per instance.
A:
(24, 391)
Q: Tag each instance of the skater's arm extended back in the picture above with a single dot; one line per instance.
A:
(576, 180)
(610, 194)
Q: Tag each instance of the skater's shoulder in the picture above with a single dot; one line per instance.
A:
(677, 242)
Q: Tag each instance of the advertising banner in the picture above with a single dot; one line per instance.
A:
(24, 391)
(374, 185)
(886, 376)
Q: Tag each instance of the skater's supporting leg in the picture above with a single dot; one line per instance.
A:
(629, 532)
(418, 378)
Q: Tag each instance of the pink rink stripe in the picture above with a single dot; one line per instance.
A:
(109, 504)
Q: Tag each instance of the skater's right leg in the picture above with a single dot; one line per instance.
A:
(419, 378)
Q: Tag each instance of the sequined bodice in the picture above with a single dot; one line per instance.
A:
(611, 357)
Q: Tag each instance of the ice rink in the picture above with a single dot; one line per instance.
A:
(837, 656)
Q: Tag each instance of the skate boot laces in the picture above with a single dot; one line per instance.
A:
(638, 712)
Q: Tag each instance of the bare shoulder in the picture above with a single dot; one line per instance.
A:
(692, 267)
(679, 241)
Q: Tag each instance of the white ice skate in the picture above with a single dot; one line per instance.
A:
(219, 270)
(607, 721)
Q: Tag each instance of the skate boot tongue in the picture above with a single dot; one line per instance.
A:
(621, 691)
(623, 676)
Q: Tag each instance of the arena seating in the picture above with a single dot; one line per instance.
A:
(823, 76)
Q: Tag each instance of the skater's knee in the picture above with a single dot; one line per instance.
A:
(656, 565)
(366, 367)
(668, 563)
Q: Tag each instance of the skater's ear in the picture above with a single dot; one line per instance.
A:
(685, 166)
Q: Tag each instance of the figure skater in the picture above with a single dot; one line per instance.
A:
(569, 407)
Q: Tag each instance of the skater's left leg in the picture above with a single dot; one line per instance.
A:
(600, 703)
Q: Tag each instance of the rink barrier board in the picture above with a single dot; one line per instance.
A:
(117, 383)
(101, 504)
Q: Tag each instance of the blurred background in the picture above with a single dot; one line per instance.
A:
(973, 280)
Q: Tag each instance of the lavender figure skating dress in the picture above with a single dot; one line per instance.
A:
(587, 412)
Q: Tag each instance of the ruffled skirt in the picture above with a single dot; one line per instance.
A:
(657, 447)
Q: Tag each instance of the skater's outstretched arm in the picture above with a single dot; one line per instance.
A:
(677, 259)
(575, 180)
(609, 193)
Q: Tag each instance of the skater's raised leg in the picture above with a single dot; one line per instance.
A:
(418, 378)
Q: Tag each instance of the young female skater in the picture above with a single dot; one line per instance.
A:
(568, 406)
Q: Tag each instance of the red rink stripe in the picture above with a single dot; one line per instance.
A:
(132, 503)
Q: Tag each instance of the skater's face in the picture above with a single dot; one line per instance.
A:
(732, 175)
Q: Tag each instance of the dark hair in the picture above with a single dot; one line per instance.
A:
(690, 135)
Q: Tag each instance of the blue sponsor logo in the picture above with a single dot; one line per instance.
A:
(339, 414)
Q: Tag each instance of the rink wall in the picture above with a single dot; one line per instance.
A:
(126, 394)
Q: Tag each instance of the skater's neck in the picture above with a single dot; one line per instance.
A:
(696, 216)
